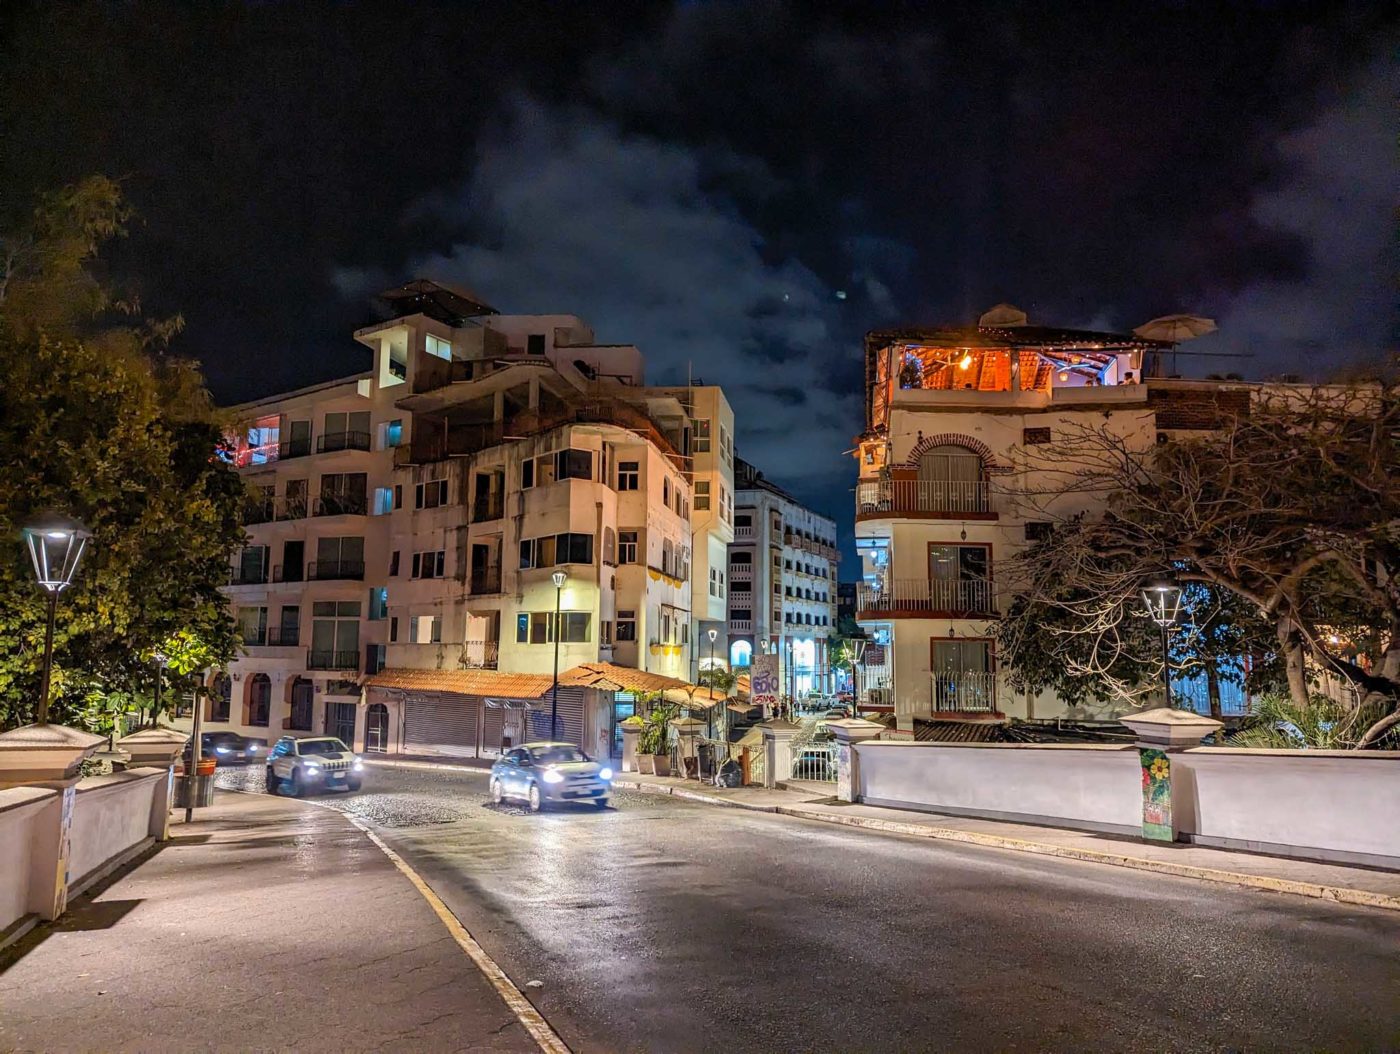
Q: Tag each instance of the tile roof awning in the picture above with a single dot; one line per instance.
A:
(607, 676)
(465, 682)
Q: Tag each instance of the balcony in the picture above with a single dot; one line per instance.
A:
(935, 498)
(290, 448)
(492, 509)
(247, 576)
(291, 573)
(333, 441)
(741, 625)
(962, 691)
(484, 583)
(328, 570)
(273, 637)
(922, 598)
(742, 534)
(340, 505)
(332, 660)
(479, 655)
(271, 509)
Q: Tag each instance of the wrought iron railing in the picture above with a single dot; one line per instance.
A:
(922, 495)
(294, 448)
(484, 583)
(332, 660)
(247, 576)
(332, 441)
(340, 505)
(964, 691)
(479, 655)
(324, 570)
(950, 596)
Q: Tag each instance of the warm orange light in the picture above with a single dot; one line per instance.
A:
(1064, 375)
(966, 361)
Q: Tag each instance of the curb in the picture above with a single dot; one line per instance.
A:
(1317, 891)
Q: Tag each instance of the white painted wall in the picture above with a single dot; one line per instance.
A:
(1093, 787)
(110, 815)
(1330, 804)
(24, 813)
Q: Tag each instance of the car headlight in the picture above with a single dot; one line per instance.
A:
(606, 774)
(552, 776)
(358, 765)
(311, 766)
(252, 748)
(221, 750)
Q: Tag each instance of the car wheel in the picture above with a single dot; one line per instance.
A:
(536, 802)
(602, 803)
(498, 795)
(273, 783)
(352, 784)
(298, 788)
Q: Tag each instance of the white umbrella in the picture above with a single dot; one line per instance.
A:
(1002, 316)
(1175, 328)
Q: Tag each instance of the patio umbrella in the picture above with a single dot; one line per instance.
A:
(1175, 328)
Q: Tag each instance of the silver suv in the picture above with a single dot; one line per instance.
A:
(320, 762)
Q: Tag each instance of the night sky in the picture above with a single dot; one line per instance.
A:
(741, 190)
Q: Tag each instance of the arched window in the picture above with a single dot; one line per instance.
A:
(950, 480)
(741, 653)
(220, 697)
(259, 700)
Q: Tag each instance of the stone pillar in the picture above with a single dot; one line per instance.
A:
(631, 733)
(777, 749)
(687, 730)
(1162, 733)
(848, 732)
(48, 756)
(157, 748)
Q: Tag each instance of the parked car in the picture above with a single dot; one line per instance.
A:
(542, 773)
(231, 748)
(814, 765)
(320, 762)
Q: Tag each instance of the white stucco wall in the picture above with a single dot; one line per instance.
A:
(110, 815)
(1320, 803)
(23, 812)
(1093, 787)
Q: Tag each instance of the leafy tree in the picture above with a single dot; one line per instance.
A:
(96, 421)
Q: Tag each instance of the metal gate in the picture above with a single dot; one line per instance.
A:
(440, 724)
(340, 722)
(570, 726)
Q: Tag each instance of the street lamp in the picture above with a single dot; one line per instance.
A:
(55, 545)
(162, 661)
(559, 578)
(1163, 600)
(712, 634)
(857, 645)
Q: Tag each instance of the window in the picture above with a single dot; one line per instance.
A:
(429, 564)
(626, 548)
(392, 434)
(556, 549)
(534, 344)
(574, 627)
(398, 495)
(425, 629)
(394, 564)
(335, 635)
(1035, 436)
(393, 630)
(574, 464)
(383, 501)
(609, 546)
(252, 625)
(741, 557)
(343, 493)
(668, 555)
(742, 519)
(628, 475)
(522, 628)
(626, 625)
(726, 447)
(1039, 530)
(701, 436)
(702, 495)
(430, 495)
(378, 604)
(666, 491)
(741, 614)
(539, 626)
(605, 632)
(439, 347)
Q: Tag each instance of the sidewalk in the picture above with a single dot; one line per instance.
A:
(265, 924)
(1351, 885)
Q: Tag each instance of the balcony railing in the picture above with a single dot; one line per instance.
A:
(484, 583)
(741, 625)
(324, 570)
(340, 505)
(961, 596)
(332, 441)
(247, 576)
(934, 496)
(290, 573)
(479, 655)
(743, 533)
(294, 448)
(273, 637)
(967, 691)
(493, 509)
(332, 660)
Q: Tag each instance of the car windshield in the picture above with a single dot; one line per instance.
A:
(555, 755)
(322, 746)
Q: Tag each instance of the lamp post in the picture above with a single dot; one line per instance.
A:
(712, 634)
(1163, 600)
(55, 545)
(559, 578)
(161, 660)
(857, 657)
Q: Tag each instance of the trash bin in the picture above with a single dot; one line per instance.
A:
(203, 791)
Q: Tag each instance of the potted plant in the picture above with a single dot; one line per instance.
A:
(653, 755)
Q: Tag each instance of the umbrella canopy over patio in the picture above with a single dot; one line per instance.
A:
(1175, 328)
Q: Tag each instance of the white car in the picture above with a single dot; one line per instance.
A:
(319, 762)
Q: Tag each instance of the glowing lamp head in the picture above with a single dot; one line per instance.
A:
(712, 634)
(1064, 375)
(56, 545)
(559, 578)
(966, 361)
(1163, 600)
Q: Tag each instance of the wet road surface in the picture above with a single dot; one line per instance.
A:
(667, 925)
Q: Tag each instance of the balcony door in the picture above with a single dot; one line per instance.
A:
(959, 578)
(950, 480)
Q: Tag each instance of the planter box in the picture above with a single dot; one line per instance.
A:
(645, 764)
(661, 764)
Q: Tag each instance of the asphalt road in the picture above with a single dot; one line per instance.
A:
(665, 925)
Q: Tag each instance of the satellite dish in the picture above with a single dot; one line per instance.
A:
(1002, 316)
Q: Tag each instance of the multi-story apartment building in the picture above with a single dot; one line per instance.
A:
(945, 478)
(782, 583)
(416, 516)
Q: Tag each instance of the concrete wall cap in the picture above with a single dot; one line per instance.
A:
(49, 737)
(18, 797)
(928, 744)
(162, 734)
(1392, 756)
